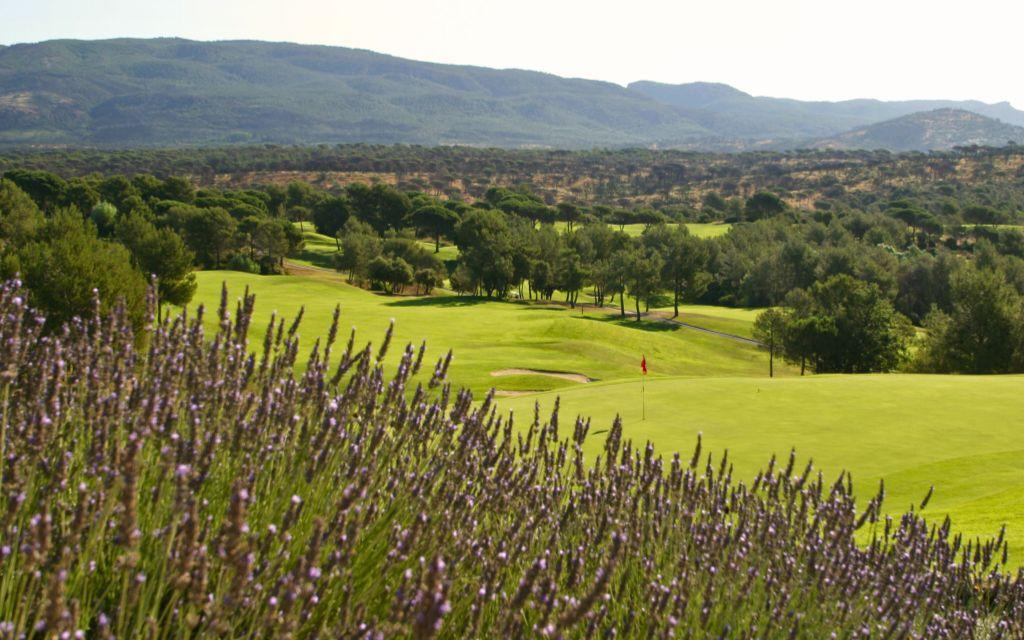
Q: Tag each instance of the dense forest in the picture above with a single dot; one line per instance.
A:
(847, 276)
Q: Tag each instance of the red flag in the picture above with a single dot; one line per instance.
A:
(643, 364)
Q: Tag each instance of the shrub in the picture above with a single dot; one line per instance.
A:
(426, 280)
(391, 272)
(242, 262)
(104, 216)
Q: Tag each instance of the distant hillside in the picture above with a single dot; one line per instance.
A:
(928, 130)
(733, 113)
(173, 92)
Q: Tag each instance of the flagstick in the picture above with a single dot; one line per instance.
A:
(643, 396)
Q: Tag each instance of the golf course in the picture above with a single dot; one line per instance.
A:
(962, 434)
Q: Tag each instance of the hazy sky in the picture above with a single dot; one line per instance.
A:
(808, 49)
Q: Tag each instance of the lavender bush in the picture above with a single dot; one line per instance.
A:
(196, 488)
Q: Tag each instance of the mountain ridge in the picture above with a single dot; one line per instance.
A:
(175, 92)
(759, 116)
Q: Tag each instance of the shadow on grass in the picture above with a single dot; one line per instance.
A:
(439, 301)
(630, 322)
(317, 259)
(526, 306)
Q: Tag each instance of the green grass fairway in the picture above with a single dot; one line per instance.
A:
(964, 434)
(738, 322)
(489, 335)
(708, 229)
(699, 229)
(447, 253)
(318, 250)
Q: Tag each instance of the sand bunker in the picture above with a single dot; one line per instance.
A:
(502, 393)
(564, 375)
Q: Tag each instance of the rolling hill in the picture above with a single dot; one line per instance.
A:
(938, 129)
(174, 92)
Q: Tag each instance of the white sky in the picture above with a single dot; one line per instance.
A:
(807, 49)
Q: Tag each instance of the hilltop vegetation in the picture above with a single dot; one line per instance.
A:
(132, 92)
(938, 129)
(691, 183)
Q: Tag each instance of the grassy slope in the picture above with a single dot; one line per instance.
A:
(487, 335)
(963, 434)
(738, 322)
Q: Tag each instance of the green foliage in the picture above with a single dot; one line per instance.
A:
(119, 191)
(906, 241)
(844, 325)
(983, 332)
(684, 262)
(176, 188)
(486, 248)
(359, 245)
(67, 264)
(160, 253)
(770, 330)
(763, 204)
(269, 242)
(426, 280)
(639, 272)
(330, 215)
(243, 263)
(713, 201)
(210, 233)
(981, 214)
(436, 221)
(381, 206)
(81, 194)
(20, 218)
(104, 216)
(45, 188)
(390, 271)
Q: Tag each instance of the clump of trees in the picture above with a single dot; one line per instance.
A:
(983, 329)
(841, 325)
(64, 262)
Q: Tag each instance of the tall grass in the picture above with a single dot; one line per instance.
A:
(195, 487)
